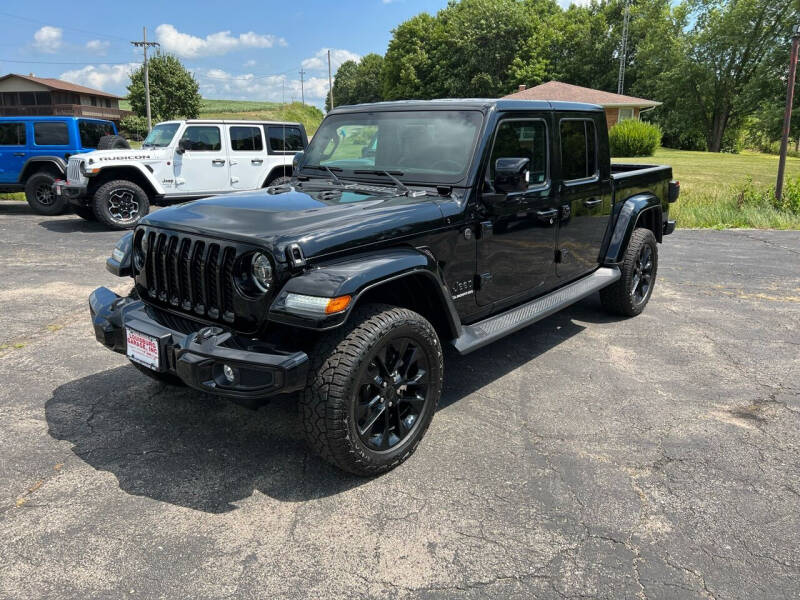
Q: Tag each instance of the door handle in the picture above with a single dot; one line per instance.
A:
(257, 161)
(592, 202)
(218, 161)
(19, 153)
(547, 214)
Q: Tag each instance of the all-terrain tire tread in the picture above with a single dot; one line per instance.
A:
(616, 298)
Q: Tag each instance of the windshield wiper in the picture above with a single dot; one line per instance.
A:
(401, 187)
(329, 170)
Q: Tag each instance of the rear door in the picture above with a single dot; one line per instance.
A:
(283, 142)
(247, 156)
(517, 241)
(203, 168)
(13, 150)
(584, 202)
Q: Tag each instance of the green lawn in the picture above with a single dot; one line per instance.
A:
(711, 188)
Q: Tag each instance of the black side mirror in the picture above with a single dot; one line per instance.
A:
(297, 161)
(183, 146)
(511, 175)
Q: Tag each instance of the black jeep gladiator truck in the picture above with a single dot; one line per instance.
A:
(406, 225)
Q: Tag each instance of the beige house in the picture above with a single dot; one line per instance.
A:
(26, 95)
(618, 107)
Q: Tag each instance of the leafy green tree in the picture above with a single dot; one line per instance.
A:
(173, 90)
(357, 82)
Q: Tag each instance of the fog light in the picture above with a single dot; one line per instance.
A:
(229, 373)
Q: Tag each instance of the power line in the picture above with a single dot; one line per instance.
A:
(37, 21)
(51, 62)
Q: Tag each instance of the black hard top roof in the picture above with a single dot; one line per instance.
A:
(483, 104)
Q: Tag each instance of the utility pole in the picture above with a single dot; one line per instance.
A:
(787, 121)
(144, 44)
(330, 79)
(623, 51)
(302, 92)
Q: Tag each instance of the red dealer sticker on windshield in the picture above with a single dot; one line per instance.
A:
(142, 349)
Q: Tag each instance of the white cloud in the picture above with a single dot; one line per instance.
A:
(215, 44)
(216, 83)
(97, 46)
(47, 39)
(319, 62)
(109, 78)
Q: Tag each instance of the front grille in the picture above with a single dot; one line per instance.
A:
(74, 170)
(189, 274)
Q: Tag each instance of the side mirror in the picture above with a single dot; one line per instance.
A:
(183, 146)
(511, 175)
(297, 161)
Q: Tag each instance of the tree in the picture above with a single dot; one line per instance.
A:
(357, 82)
(173, 90)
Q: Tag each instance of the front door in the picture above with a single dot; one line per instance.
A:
(584, 202)
(516, 243)
(203, 167)
(247, 156)
(13, 150)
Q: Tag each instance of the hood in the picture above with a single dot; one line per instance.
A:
(145, 155)
(321, 221)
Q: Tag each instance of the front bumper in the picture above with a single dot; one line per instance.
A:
(198, 357)
(75, 193)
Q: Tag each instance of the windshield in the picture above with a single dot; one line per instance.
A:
(433, 146)
(161, 135)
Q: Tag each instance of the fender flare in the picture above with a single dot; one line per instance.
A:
(627, 216)
(58, 162)
(354, 276)
(145, 172)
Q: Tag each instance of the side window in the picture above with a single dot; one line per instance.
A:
(50, 133)
(523, 139)
(202, 138)
(12, 134)
(91, 132)
(246, 138)
(285, 139)
(578, 149)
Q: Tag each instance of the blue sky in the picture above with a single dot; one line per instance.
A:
(236, 50)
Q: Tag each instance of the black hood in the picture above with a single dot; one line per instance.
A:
(321, 221)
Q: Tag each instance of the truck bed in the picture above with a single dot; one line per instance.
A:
(627, 178)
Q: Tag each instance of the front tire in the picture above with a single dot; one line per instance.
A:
(40, 196)
(631, 293)
(374, 389)
(120, 204)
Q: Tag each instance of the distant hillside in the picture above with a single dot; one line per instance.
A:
(310, 116)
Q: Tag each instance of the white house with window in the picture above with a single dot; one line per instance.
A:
(618, 107)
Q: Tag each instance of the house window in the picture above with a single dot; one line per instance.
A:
(625, 114)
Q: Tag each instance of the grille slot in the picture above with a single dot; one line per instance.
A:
(190, 274)
(74, 170)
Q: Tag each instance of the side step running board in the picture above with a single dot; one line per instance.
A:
(484, 332)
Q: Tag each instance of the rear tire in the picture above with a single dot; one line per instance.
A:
(113, 142)
(85, 212)
(631, 293)
(280, 181)
(40, 196)
(373, 389)
(120, 204)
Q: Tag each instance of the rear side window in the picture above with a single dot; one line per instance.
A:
(12, 134)
(285, 139)
(50, 133)
(523, 139)
(246, 138)
(578, 149)
(202, 138)
(92, 131)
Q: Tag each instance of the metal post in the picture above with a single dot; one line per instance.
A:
(623, 52)
(330, 79)
(145, 44)
(302, 91)
(787, 121)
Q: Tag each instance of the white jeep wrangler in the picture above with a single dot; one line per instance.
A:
(180, 160)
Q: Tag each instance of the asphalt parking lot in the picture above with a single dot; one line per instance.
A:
(585, 456)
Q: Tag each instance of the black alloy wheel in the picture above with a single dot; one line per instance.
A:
(392, 394)
(632, 291)
(642, 275)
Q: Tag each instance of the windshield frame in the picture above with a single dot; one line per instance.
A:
(307, 169)
(177, 125)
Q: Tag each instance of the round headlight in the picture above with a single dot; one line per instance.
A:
(262, 271)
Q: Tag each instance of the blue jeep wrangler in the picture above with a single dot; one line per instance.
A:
(34, 152)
